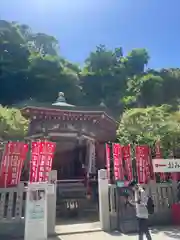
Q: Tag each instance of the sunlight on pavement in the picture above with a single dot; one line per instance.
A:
(103, 236)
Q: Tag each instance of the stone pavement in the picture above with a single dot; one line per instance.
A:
(168, 233)
(74, 227)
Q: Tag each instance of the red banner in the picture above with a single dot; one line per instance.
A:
(149, 167)
(118, 165)
(141, 163)
(12, 163)
(34, 163)
(127, 160)
(116, 161)
(108, 159)
(41, 160)
(45, 163)
(175, 176)
(158, 154)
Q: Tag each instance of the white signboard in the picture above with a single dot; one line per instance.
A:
(36, 212)
(51, 188)
(52, 177)
(102, 174)
(166, 165)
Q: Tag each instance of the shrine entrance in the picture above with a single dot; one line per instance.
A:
(74, 201)
(67, 161)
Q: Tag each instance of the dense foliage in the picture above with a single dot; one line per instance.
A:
(12, 124)
(150, 125)
(31, 66)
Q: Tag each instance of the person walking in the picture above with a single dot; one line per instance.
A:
(141, 202)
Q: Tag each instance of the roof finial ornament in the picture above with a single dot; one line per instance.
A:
(61, 97)
(102, 104)
(60, 94)
(61, 101)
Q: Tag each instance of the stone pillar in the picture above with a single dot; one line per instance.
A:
(51, 203)
(104, 215)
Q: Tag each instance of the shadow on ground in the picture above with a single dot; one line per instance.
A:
(173, 232)
(169, 231)
(67, 221)
(55, 238)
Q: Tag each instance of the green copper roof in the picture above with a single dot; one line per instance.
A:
(61, 101)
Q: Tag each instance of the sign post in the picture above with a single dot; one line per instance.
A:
(166, 165)
(36, 212)
(103, 200)
(51, 203)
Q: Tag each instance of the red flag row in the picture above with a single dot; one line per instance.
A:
(13, 158)
(41, 160)
(122, 162)
(143, 164)
(120, 154)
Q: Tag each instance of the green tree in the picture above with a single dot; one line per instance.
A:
(144, 90)
(136, 61)
(14, 62)
(148, 125)
(171, 85)
(30, 67)
(12, 124)
(44, 44)
(104, 77)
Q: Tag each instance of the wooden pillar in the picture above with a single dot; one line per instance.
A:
(90, 164)
(91, 157)
(80, 150)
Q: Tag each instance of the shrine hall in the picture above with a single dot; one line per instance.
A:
(80, 134)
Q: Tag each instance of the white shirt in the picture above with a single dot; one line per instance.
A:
(141, 209)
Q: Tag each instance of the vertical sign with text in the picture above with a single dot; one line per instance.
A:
(116, 149)
(127, 160)
(12, 163)
(141, 162)
(34, 163)
(45, 163)
(108, 158)
(158, 154)
(42, 153)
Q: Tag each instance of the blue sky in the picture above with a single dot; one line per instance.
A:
(80, 25)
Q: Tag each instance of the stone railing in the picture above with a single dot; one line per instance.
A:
(163, 195)
(12, 211)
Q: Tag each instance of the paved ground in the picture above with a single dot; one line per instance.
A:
(169, 233)
(73, 227)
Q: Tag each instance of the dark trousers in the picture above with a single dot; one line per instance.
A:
(143, 229)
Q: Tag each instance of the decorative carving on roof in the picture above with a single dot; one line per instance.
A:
(78, 127)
